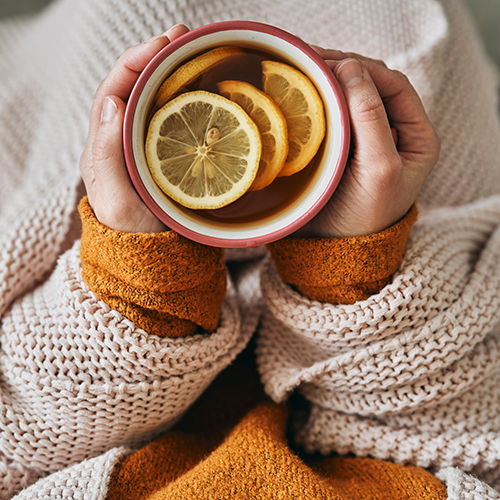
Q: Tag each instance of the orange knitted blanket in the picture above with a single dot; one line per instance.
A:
(233, 441)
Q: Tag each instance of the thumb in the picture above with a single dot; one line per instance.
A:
(107, 149)
(371, 130)
(111, 195)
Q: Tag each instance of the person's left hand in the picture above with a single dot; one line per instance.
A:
(393, 149)
(111, 195)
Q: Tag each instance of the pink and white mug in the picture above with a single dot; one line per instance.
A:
(289, 202)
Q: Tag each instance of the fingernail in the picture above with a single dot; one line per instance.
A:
(175, 26)
(156, 37)
(109, 109)
(332, 63)
(165, 33)
(349, 73)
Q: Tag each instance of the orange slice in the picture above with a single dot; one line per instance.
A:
(301, 104)
(200, 71)
(271, 124)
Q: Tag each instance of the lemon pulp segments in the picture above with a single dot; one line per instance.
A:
(301, 104)
(205, 67)
(271, 124)
(203, 150)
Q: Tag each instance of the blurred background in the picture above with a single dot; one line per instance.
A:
(486, 14)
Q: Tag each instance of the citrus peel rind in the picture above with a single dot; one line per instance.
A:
(271, 124)
(302, 106)
(206, 66)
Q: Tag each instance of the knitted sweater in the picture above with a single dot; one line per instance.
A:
(407, 374)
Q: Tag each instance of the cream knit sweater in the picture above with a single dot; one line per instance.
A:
(411, 374)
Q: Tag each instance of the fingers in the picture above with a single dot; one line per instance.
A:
(108, 168)
(176, 31)
(371, 129)
(105, 175)
(124, 74)
(406, 113)
(338, 55)
(110, 191)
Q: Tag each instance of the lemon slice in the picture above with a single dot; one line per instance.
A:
(271, 124)
(203, 150)
(206, 67)
(301, 104)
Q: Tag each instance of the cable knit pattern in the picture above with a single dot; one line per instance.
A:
(78, 378)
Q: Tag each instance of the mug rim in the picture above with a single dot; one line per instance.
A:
(131, 108)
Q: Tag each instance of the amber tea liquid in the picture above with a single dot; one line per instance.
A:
(283, 191)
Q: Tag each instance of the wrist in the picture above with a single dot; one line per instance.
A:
(130, 216)
(331, 224)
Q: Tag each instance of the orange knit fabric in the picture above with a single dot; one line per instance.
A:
(232, 442)
(165, 283)
(343, 270)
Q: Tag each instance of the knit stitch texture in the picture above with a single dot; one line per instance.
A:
(408, 374)
(366, 264)
(165, 283)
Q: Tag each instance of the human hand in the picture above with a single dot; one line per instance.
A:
(102, 165)
(393, 149)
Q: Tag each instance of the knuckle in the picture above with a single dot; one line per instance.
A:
(401, 77)
(388, 174)
(369, 108)
(103, 88)
(100, 91)
(360, 57)
(430, 144)
(101, 150)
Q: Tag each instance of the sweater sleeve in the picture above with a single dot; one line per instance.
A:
(166, 284)
(343, 270)
(403, 373)
(80, 377)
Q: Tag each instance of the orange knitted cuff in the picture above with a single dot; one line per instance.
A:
(343, 270)
(163, 282)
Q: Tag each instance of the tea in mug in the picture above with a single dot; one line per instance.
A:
(234, 134)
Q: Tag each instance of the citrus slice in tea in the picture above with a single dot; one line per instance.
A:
(271, 124)
(203, 150)
(301, 104)
(205, 67)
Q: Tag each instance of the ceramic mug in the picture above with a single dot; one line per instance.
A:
(258, 217)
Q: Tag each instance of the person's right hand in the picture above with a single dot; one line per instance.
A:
(393, 149)
(111, 194)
